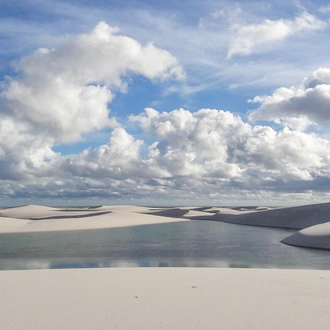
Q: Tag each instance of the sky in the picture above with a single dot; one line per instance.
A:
(162, 103)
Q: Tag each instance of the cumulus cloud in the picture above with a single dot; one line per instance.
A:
(217, 144)
(249, 38)
(22, 152)
(65, 91)
(120, 159)
(208, 154)
(301, 106)
(59, 94)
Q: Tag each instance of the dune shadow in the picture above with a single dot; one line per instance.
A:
(171, 213)
(72, 216)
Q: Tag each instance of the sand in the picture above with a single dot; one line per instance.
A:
(34, 218)
(165, 298)
(317, 237)
(297, 217)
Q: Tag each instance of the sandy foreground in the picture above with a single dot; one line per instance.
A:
(165, 298)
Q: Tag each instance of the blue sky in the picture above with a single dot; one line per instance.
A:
(164, 102)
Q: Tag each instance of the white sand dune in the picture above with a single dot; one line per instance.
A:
(128, 208)
(175, 212)
(27, 211)
(297, 217)
(317, 237)
(236, 210)
(218, 210)
(196, 213)
(39, 212)
(192, 214)
(39, 218)
(312, 219)
(164, 298)
(11, 223)
(33, 218)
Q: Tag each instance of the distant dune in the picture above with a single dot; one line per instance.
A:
(33, 218)
(297, 217)
(316, 216)
(42, 218)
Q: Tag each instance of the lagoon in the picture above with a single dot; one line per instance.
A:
(182, 244)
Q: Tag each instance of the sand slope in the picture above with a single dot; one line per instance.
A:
(317, 237)
(27, 211)
(297, 217)
(33, 218)
(165, 298)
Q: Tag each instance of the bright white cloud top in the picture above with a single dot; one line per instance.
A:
(144, 104)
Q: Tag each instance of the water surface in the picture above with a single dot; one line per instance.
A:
(182, 244)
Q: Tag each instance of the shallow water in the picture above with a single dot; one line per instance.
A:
(183, 244)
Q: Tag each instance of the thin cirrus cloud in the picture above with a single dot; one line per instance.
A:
(251, 38)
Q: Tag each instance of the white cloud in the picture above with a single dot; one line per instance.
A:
(305, 104)
(22, 151)
(201, 49)
(325, 9)
(119, 159)
(208, 156)
(57, 95)
(250, 38)
(65, 91)
(207, 145)
(218, 144)
(194, 155)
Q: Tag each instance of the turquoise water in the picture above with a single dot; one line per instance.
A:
(184, 244)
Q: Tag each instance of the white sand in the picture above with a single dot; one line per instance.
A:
(27, 211)
(50, 219)
(317, 237)
(165, 298)
(33, 218)
(297, 217)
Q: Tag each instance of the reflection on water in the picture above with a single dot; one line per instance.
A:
(186, 244)
(20, 264)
